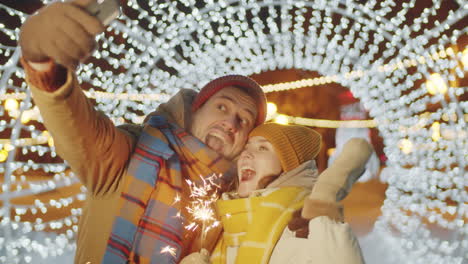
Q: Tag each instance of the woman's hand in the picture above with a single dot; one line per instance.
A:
(299, 225)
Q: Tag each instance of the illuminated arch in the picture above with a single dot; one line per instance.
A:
(367, 46)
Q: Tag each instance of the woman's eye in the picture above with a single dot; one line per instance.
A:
(244, 122)
(263, 148)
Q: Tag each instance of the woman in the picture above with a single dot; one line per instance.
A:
(276, 173)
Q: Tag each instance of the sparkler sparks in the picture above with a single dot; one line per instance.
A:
(176, 199)
(178, 215)
(203, 197)
(170, 250)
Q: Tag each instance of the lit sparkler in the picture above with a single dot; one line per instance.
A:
(176, 199)
(170, 250)
(203, 197)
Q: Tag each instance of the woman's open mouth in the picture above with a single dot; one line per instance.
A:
(246, 174)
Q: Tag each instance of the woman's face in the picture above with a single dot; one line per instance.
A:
(257, 161)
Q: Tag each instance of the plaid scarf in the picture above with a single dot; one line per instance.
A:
(150, 219)
(255, 224)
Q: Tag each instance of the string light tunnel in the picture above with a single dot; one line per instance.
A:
(406, 64)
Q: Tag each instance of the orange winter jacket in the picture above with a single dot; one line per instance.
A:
(96, 150)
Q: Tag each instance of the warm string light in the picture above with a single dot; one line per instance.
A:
(285, 119)
(273, 115)
(407, 63)
(100, 96)
(390, 63)
(433, 83)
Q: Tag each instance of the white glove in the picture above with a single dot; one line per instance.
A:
(335, 182)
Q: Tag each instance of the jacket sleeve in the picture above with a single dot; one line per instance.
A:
(333, 242)
(94, 148)
(329, 242)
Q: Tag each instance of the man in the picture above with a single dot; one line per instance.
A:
(134, 174)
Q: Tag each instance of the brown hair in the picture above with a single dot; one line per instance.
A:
(263, 183)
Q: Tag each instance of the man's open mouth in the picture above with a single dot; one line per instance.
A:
(225, 136)
(215, 142)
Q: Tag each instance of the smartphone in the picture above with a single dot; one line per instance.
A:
(104, 10)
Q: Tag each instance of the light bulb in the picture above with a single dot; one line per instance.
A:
(11, 104)
(281, 119)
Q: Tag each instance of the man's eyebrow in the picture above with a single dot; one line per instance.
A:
(227, 98)
(234, 102)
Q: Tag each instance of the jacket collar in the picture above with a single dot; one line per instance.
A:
(177, 109)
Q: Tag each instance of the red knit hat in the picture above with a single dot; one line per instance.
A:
(246, 84)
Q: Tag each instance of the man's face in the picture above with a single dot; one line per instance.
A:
(225, 120)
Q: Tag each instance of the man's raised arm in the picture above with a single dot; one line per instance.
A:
(53, 43)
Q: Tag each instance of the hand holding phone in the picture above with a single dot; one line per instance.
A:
(65, 32)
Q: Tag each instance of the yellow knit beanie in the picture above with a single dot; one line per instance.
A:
(293, 144)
